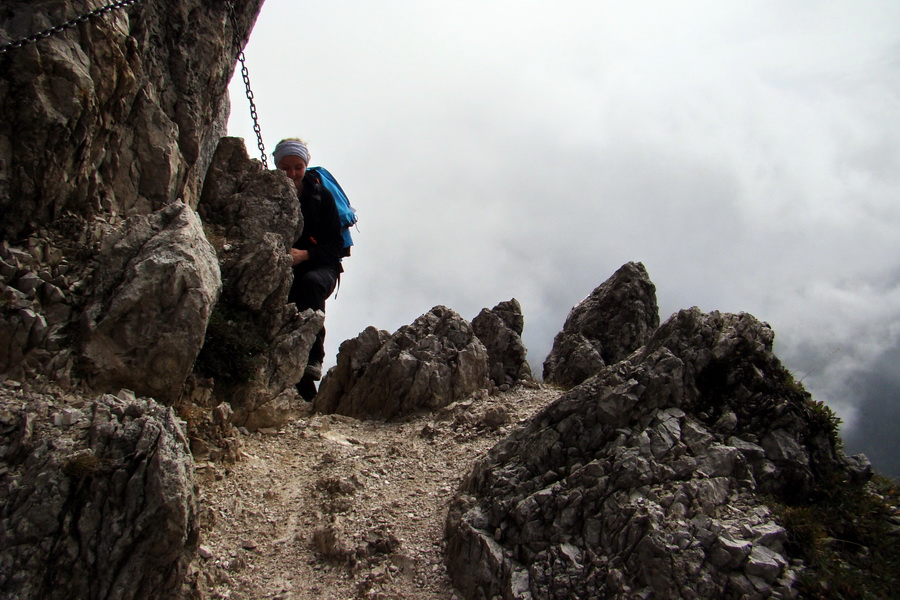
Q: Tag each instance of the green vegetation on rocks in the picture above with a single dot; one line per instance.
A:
(848, 539)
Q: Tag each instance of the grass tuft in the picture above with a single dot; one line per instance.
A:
(848, 539)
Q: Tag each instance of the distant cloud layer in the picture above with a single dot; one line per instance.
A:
(748, 154)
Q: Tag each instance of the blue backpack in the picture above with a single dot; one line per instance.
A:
(346, 213)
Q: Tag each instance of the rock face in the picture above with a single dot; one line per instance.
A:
(428, 364)
(648, 480)
(116, 117)
(154, 287)
(42, 292)
(97, 500)
(106, 272)
(109, 279)
(604, 328)
(500, 330)
(257, 344)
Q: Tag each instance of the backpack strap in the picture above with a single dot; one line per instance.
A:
(346, 212)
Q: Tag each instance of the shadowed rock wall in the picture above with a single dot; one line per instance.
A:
(117, 116)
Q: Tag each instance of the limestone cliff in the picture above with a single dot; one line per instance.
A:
(110, 277)
(108, 281)
(117, 116)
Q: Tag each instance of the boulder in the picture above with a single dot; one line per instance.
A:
(604, 328)
(156, 281)
(426, 365)
(98, 499)
(500, 330)
(633, 484)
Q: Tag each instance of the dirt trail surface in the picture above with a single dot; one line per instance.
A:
(329, 507)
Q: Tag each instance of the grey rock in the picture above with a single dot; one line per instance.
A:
(156, 283)
(253, 218)
(770, 535)
(33, 325)
(117, 117)
(858, 467)
(782, 447)
(247, 200)
(107, 510)
(500, 330)
(426, 365)
(728, 552)
(604, 328)
(496, 417)
(637, 464)
(765, 564)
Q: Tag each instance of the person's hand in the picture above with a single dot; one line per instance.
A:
(298, 256)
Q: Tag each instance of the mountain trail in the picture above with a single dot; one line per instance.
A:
(329, 507)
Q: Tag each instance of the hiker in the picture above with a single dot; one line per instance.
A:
(316, 255)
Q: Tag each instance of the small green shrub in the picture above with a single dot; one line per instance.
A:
(83, 465)
(234, 348)
(825, 418)
(846, 540)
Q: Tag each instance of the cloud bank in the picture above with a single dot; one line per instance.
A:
(748, 155)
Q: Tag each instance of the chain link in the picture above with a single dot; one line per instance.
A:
(245, 75)
(67, 25)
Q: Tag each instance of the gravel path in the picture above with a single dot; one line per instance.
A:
(329, 507)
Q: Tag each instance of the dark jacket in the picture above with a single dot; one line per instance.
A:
(321, 235)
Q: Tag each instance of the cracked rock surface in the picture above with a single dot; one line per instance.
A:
(650, 479)
(97, 497)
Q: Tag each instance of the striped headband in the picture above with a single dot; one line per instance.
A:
(290, 148)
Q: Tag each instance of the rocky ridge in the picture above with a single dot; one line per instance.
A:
(652, 478)
(623, 486)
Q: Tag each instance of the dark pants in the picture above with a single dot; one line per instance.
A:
(310, 290)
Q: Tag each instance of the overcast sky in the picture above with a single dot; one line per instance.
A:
(747, 153)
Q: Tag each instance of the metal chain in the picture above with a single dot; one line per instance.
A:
(245, 74)
(67, 25)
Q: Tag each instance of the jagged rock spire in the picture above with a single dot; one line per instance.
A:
(608, 325)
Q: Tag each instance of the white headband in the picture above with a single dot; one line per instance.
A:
(290, 148)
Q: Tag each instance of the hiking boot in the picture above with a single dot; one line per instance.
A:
(313, 371)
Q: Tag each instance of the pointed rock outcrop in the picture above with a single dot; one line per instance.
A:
(651, 478)
(604, 328)
(500, 330)
(426, 365)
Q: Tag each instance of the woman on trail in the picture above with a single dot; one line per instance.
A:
(316, 255)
